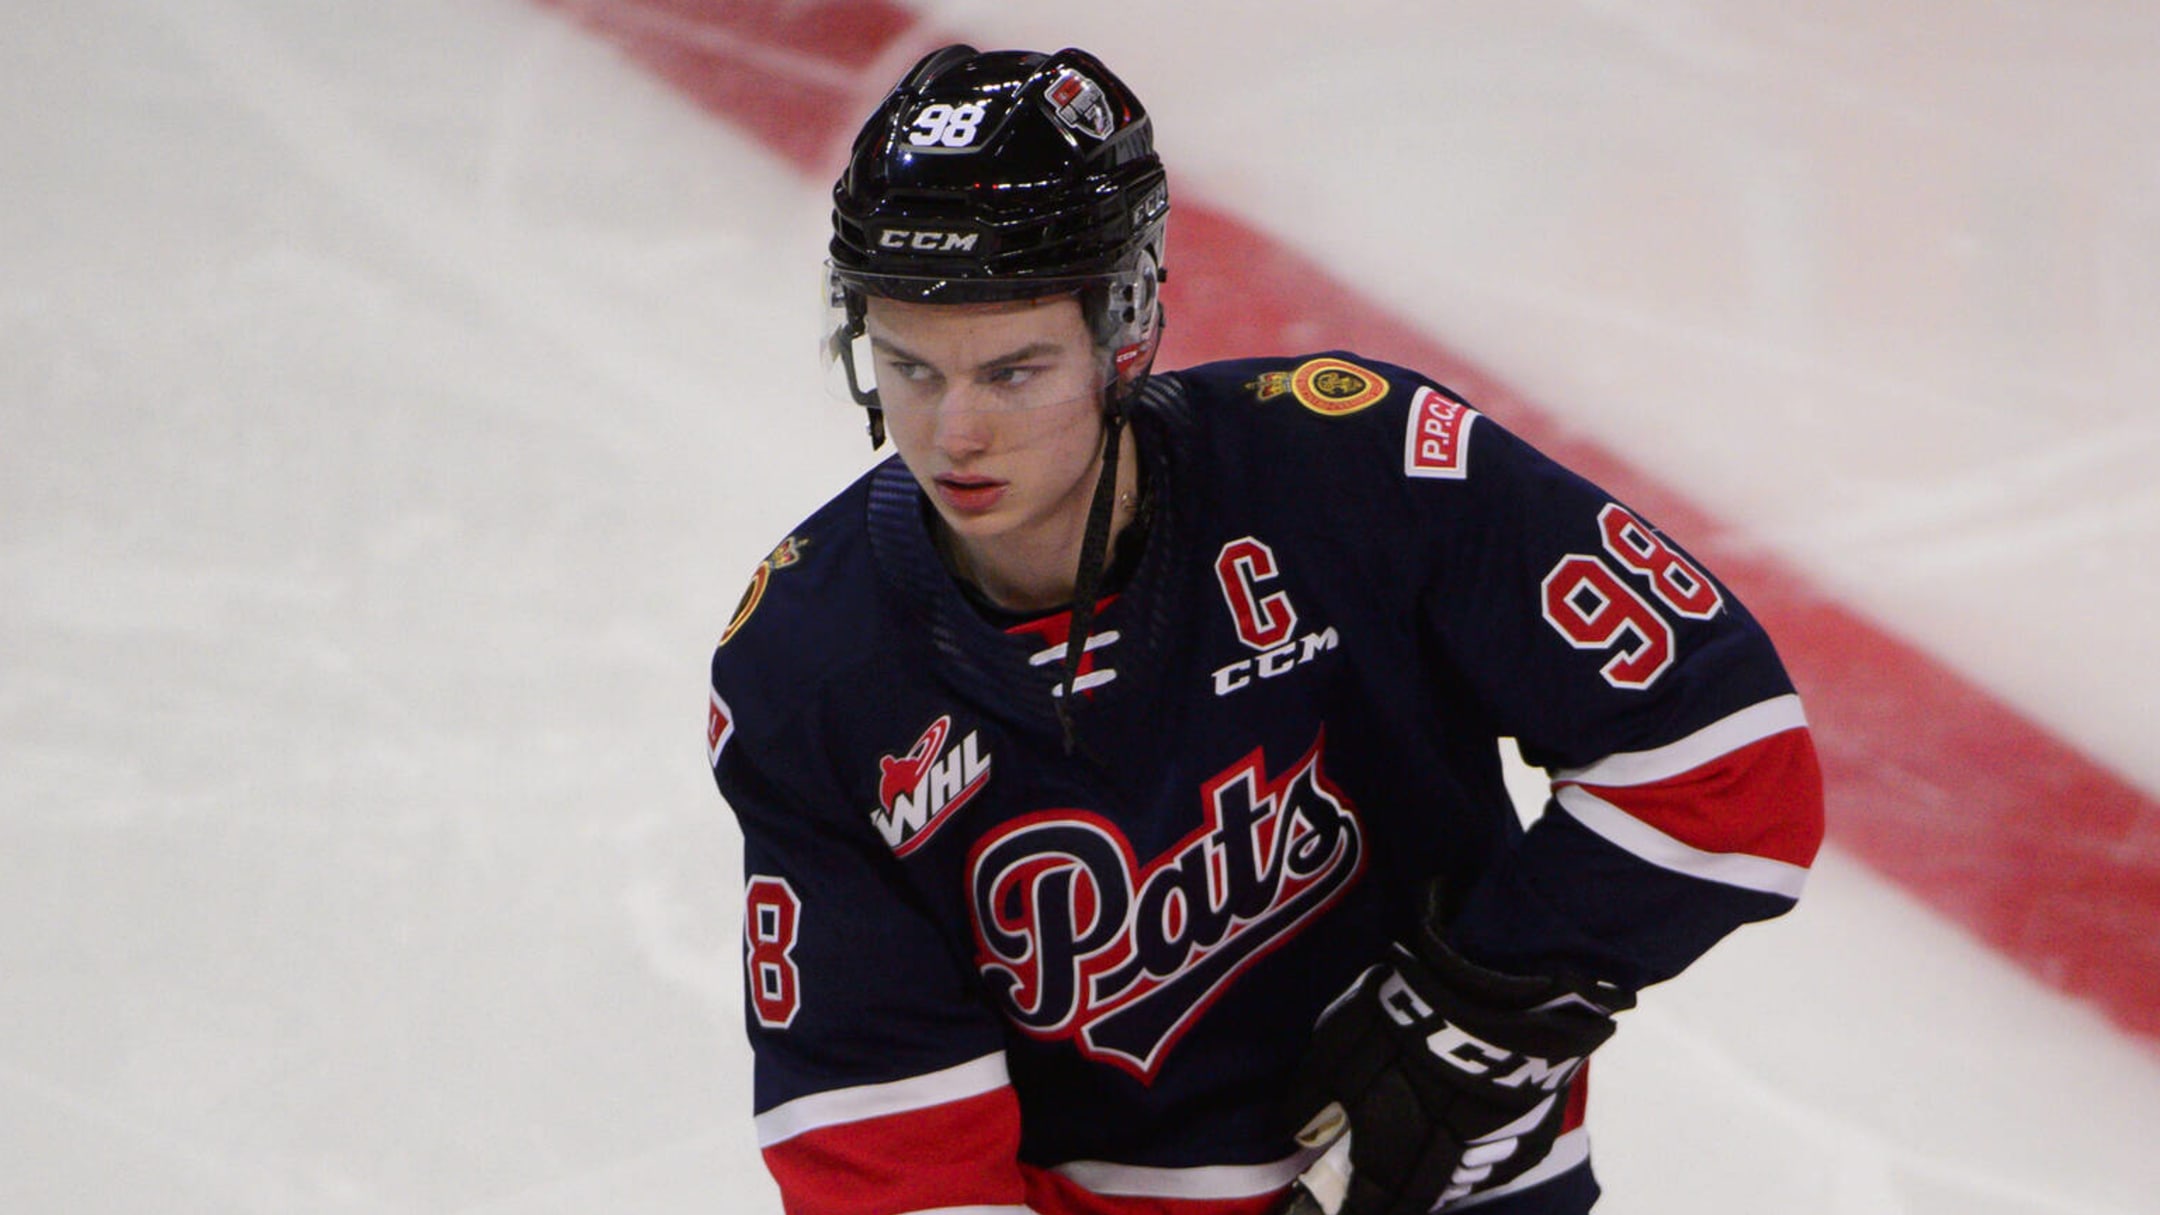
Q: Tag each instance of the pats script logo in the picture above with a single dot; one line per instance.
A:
(919, 791)
(1080, 941)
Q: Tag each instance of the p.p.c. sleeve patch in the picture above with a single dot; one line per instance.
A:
(719, 728)
(1436, 441)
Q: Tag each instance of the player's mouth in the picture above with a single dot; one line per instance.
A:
(969, 495)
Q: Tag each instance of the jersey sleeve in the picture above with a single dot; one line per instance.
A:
(881, 1085)
(1686, 797)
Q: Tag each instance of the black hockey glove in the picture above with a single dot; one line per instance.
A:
(1449, 1079)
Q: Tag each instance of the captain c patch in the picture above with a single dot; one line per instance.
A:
(1334, 387)
(1437, 440)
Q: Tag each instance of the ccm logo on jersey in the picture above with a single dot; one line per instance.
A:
(1437, 441)
(918, 792)
(1264, 619)
(1081, 941)
(928, 240)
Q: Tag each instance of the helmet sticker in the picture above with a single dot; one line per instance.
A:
(1333, 387)
(1080, 105)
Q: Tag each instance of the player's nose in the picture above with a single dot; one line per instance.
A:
(963, 423)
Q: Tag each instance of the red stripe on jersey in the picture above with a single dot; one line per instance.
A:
(1578, 1101)
(959, 1154)
(1764, 799)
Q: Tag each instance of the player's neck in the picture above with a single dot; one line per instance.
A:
(1034, 570)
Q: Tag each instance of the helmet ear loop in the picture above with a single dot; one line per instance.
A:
(867, 399)
(1128, 320)
(843, 351)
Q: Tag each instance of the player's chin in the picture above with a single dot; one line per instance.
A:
(986, 523)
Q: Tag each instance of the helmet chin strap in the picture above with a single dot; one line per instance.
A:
(1094, 547)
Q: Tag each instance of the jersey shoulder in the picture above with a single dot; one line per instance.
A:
(809, 616)
(1337, 405)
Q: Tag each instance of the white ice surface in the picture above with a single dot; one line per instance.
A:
(394, 396)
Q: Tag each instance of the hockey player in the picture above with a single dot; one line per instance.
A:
(1118, 765)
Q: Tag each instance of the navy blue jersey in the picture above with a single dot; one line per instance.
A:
(986, 973)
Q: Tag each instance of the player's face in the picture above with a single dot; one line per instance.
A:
(996, 409)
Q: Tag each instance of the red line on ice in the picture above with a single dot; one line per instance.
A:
(2044, 853)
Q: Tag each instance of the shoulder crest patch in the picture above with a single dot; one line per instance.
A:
(786, 554)
(1436, 443)
(1334, 387)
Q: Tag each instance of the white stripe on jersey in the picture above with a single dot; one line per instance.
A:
(835, 1107)
(1630, 834)
(1720, 738)
(1219, 1181)
(1242, 1181)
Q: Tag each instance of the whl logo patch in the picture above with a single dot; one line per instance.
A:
(1080, 940)
(919, 791)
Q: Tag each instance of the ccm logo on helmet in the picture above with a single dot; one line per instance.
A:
(928, 240)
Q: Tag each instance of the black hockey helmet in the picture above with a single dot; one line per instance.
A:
(1003, 175)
